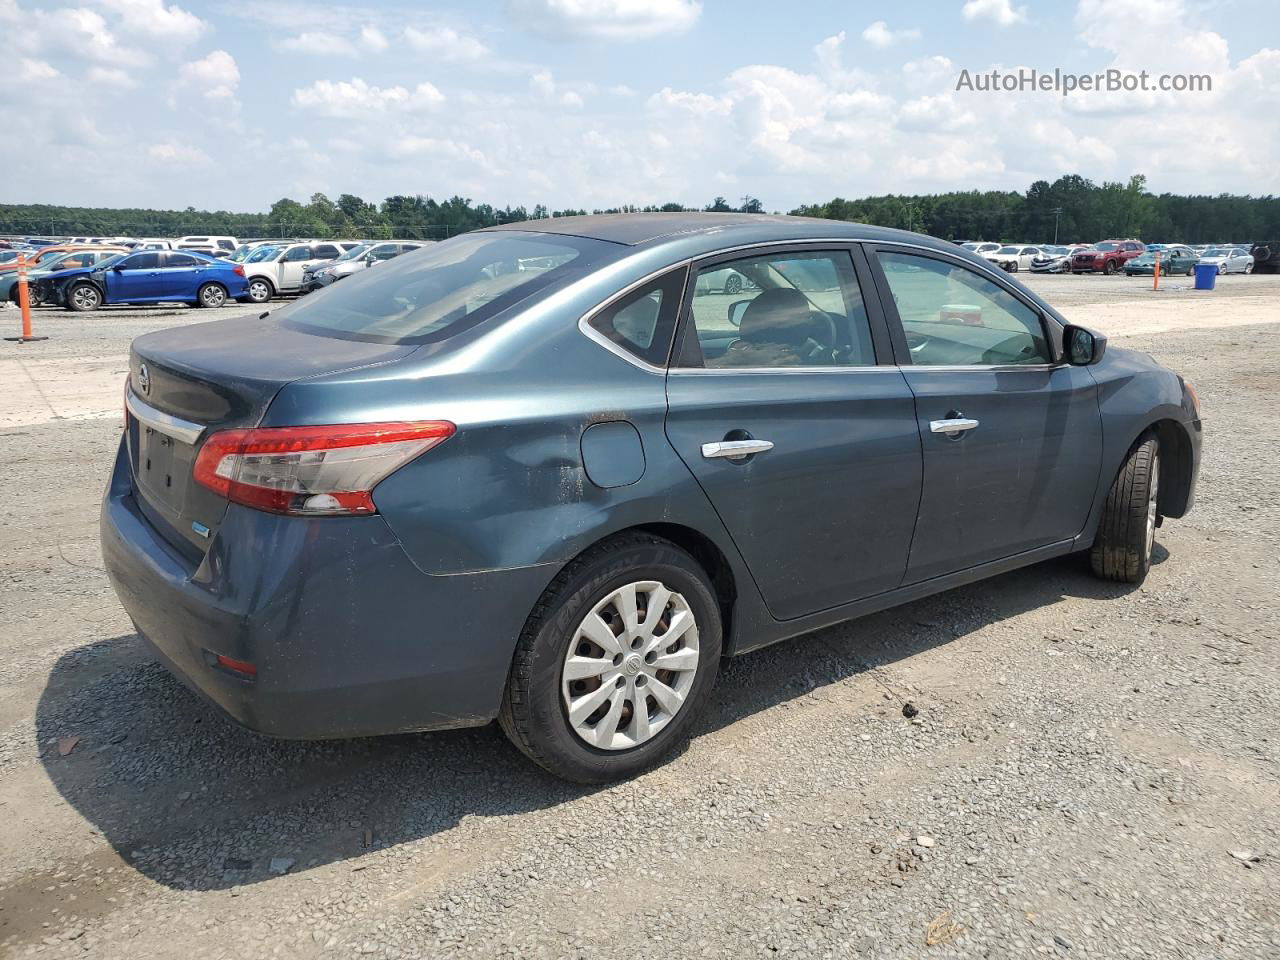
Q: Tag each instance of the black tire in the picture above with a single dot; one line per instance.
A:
(1122, 548)
(260, 290)
(733, 284)
(1191, 271)
(211, 295)
(83, 297)
(1109, 267)
(533, 714)
(1222, 269)
(1013, 267)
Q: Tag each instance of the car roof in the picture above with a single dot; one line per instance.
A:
(635, 229)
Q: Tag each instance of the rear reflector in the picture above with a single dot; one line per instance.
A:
(242, 667)
(312, 471)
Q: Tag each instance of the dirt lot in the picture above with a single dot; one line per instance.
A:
(1093, 770)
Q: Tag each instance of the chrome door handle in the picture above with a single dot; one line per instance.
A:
(735, 449)
(952, 427)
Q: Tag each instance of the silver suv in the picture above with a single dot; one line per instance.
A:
(355, 259)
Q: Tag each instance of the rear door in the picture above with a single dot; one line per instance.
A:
(784, 403)
(180, 275)
(1012, 440)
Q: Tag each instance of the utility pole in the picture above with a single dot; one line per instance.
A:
(1057, 212)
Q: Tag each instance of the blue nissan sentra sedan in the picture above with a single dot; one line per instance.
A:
(152, 276)
(553, 472)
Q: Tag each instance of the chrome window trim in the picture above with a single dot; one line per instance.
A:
(170, 426)
(584, 322)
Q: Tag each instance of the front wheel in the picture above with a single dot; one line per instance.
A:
(1109, 267)
(615, 661)
(211, 295)
(1127, 533)
(1248, 268)
(1222, 268)
(83, 297)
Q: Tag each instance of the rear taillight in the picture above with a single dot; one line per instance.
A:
(238, 270)
(312, 471)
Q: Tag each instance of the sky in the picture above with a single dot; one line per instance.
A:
(234, 104)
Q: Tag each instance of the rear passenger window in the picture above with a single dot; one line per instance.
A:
(642, 322)
(296, 254)
(952, 316)
(326, 251)
(794, 309)
(180, 260)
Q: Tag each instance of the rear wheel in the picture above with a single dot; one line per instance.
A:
(615, 661)
(1122, 548)
(1248, 268)
(84, 296)
(733, 284)
(1222, 268)
(1109, 267)
(211, 295)
(260, 290)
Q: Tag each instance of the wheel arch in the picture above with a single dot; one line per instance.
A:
(1177, 465)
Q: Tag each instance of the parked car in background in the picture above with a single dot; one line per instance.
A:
(213, 246)
(273, 270)
(152, 276)
(1175, 260)
(247, 247)
(1266, 256)
(44, 255)
(981, 247)
(1106, 257)
(527, 506)
(75, 260)
(1052, 259)
(1012, 257)
(358, 258)
(1229, 259)
(155, 243)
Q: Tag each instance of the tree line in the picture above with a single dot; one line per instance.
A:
(1070, 209)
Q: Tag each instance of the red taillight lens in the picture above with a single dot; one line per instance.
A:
(238, 270)
(312, 471)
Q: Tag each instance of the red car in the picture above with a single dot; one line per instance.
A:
(1109, 256)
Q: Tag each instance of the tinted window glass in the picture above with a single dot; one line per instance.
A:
(448, 287)
(295, 254)
(226, 245)
(181, 260)
(142, 261)
(385, 251)
(326, 251)
(954, 316)
(642, 322)
(796, 309)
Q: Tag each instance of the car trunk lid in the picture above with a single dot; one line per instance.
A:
(187, 383)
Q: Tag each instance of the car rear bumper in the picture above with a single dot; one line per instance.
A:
(349, 638)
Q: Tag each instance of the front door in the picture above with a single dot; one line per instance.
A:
(138, 278)
(805, 447)
(1012, 440)
(293, 262)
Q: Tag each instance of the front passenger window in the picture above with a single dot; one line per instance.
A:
(953, 316)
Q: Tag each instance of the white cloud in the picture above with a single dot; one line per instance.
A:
(215, 77)
(35, 71)
(357, 99)
(172, 152)
(1004, 13)
(320, 44)
(607, 19)
(371, 38)
(445, 43)
(153, 18)
(544, 86)
(85, 33)
(112, 77)
(878, 34)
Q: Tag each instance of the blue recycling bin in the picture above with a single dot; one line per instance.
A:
(1206, 275)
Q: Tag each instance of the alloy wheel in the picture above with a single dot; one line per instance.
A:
(85, 297)
(213, 296)
(631, 666)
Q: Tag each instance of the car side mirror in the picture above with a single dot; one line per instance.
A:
(738, 310)
(1082, 347)
(116, 267)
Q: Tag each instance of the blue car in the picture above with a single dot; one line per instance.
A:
(154, 276)
(541, 473)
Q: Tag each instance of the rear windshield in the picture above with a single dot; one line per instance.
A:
(431, 294)
(1108, 246)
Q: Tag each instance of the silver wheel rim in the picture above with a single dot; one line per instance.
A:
(258, 291)
(213, 296)
(630, 667)
(1154, 489)
(86, 297)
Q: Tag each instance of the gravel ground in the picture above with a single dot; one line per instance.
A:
(1092, 770)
